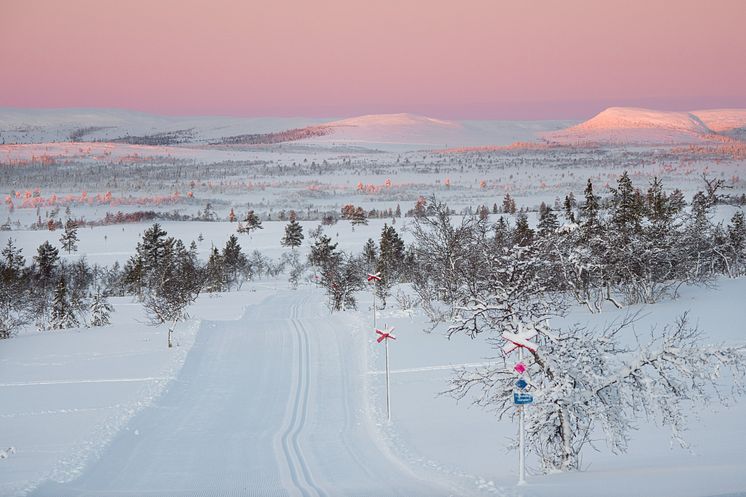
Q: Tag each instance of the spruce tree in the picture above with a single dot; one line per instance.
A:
(234, 261)
(523, 235)
(63, 315)
(548, 223)
(250, 223)
(293, 234)
(69, 238)
(214, 272)
(100, 309)
(358, 217)
(370, 254)
(46, 259)
(591, 224)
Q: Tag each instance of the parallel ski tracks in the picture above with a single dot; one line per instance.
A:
(297, 412)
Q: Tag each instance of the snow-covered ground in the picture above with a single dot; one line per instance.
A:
(112, 407)
(266, 392)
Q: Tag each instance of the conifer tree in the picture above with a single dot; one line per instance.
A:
(523, 235)
(370, 254)
(63, 315)
(46, 259)
(214, 272)
(100, 309)
(548, 223)
(250, 223)
(234, 261)
(293, 234)
(69, 238)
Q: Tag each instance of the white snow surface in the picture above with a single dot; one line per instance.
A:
(619, 125)
(267, 393)
(381, 131)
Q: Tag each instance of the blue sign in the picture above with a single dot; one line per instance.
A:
(522, 398)
(521, 383)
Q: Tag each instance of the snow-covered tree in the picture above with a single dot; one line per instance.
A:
(14, 290)
(173, 285)
(63, 313)
(101, 309)
(214, 272)
(69, 238)
(584, 381)
(236, 266)
(250, 224)
(293, 234)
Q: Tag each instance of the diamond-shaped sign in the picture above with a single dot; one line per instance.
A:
(520, 367)
(521, 384)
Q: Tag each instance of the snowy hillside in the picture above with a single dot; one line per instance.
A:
(628, 125)
(730, 122)
(84, 125)
(388, 131)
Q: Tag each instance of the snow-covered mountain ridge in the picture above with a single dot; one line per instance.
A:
(617, 125)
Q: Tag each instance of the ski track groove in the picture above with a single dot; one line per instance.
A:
(294, 458)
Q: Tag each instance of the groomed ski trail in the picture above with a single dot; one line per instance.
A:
(270, 405)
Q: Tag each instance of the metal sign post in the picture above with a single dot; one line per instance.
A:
(521, 437)
(375, 278)
(384, 337)
(520, 341)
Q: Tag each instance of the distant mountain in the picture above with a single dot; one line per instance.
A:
(408, 130)
(380, 131)
(729, 122)
(629, 125)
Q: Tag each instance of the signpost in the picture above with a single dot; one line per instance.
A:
(520, 341)
(384, 337)
(375, 278)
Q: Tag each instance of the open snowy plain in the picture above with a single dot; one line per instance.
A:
(267, 392)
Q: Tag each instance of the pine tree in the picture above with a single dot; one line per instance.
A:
(358, 217)
(14, 291)
(523, 235)
(548, 223)
(627, 206)
(234, 262)
(250, 223)
(569, 208)
(214, 272)
(100, 309)
(370, 254)
(11, 264)
(590, 212)
(69, 238)
(323, 252)
(390, 261)
(509, 204)
(63, 315)
(46, 259)
(293, 234)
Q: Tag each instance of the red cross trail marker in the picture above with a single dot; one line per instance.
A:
(384, 337)
(522, 339)
(374, 277)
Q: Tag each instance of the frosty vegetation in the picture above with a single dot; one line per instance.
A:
(632, 247)
(478, 273)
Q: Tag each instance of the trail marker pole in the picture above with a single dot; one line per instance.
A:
(375, 278)
(385, 336)
(520, 341)
(521, 436)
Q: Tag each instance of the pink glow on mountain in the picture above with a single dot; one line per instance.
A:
(484, 59)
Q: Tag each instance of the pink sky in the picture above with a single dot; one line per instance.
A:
(446, 58)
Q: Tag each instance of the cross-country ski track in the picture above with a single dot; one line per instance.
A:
(273, 404)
